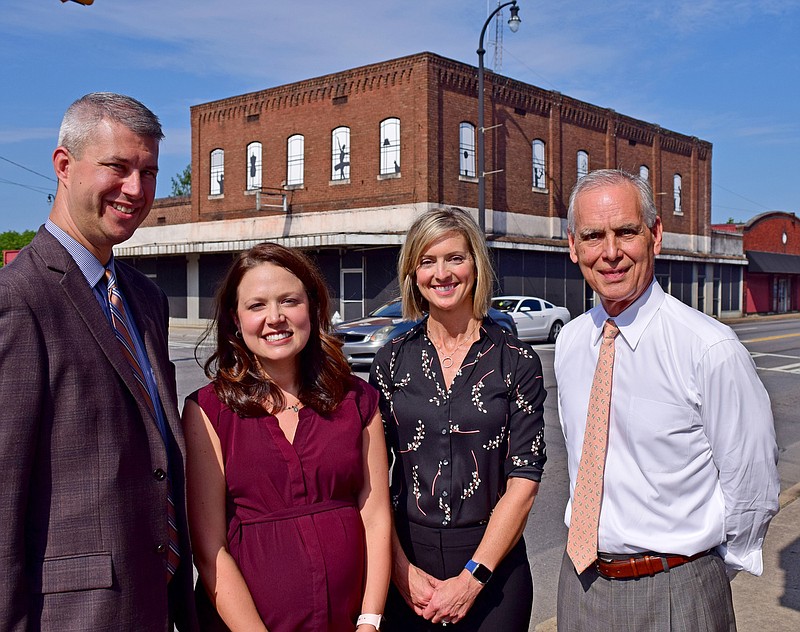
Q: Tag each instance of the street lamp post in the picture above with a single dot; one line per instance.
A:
(513, 24)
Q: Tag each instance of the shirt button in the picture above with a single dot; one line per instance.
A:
(444, 431)
(445, 462)
(159, 474)
(160, 549)
(444, 494)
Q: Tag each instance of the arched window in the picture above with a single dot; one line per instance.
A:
(539, 165)
(676, 193)
(340, 153)
(644, 173)
(583, 164)
(466, 150)
(390, 146)
(217, 172)
(253, 166)
(295, 160)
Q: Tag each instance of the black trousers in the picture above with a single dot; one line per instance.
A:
(505, 603)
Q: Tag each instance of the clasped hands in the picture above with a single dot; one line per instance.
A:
(439, 600)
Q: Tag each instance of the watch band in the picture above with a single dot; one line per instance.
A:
(478, 571)
(369, 619)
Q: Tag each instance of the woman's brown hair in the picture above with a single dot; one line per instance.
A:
(239, 381)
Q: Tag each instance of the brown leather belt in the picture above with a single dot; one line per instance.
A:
(641, 566)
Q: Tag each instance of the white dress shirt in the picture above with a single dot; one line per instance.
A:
(691, 461)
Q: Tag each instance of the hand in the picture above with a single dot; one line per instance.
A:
(416, 587)
(452, 599)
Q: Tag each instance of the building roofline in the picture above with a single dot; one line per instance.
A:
(583, 112)
(768, 215)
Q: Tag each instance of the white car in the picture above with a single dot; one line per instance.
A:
(536, 318)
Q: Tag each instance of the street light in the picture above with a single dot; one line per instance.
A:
(513, 24)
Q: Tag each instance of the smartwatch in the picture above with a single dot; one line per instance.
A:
(481, 574)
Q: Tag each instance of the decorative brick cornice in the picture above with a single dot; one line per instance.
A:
(456, 76)
(327, 87)
(636, 132)
(676, 144)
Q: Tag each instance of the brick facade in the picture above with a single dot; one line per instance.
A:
(771, 242)
(431, 96)
(369, 213)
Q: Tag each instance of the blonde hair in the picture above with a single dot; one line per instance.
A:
(427, 228)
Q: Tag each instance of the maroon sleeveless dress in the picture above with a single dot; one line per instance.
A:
(294, 527)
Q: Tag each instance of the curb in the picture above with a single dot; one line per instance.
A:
(788, 496)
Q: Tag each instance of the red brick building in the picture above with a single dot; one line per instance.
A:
(9, 256)
(771, 242)
(340, 166)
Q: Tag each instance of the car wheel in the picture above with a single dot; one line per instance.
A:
(554, 331)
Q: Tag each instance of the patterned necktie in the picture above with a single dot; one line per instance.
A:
(582, 538)
(120, 321)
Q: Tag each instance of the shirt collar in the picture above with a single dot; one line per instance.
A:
(88, 264)
(634, 319)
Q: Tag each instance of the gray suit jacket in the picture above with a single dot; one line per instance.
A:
(82, 500)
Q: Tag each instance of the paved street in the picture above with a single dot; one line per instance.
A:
(770, 603)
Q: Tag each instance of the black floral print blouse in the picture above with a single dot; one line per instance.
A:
(451, 451)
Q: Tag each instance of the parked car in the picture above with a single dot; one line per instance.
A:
(536, 318)
(364, 336)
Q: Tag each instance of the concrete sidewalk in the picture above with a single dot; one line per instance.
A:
(771, 603)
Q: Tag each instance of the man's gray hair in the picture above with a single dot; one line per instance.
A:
(84, 115)
(614, 177)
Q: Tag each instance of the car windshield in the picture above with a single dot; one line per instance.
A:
(393, 309)
(504, 304)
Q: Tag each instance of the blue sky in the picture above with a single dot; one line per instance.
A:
(726, 71)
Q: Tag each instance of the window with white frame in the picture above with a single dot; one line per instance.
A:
(644, 173)
(539, 165)
(390, 146)
(466, 150)
(676, 193)
(583, 164)
(253, 166)
(217, 172)
(295, 160)
(340, 153)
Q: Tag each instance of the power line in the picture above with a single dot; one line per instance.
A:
(16, 164)
(26, 186)
(719, 186)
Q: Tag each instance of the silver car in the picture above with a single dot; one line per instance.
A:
(363, 337)
(536, 319)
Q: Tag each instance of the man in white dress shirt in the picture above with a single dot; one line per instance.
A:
(690, 481)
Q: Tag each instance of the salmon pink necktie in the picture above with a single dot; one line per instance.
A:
(582, 538)
(120, 321)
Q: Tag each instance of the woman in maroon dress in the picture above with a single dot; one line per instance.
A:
(286, 462)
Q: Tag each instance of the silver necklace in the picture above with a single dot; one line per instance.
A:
(447, 358)
(295, 407)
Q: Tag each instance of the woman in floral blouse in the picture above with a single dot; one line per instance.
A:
(463, 408)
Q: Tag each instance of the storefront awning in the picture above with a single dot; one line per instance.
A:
(772, 263)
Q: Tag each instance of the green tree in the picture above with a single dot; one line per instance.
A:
(182, 183)
(12, 240)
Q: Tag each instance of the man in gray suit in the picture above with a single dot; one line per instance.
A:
(91, 456)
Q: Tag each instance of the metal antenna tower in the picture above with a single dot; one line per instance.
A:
(497, 59)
